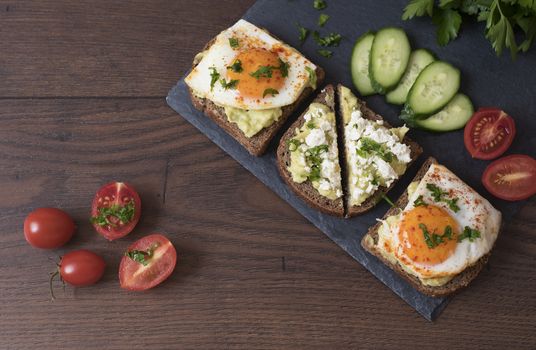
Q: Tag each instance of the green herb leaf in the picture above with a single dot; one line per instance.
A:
(304, 32)
(311, 125)
(319, 4)
(469, 233)
(270, 91)
(437, 192)
(283, 68)
(448, 25)
(325, 53)
(322, 19)
(313, 158)
(263, 72)
(432, 240)
(114, 214)
(453, 204)
(293, 144)
(214, 76)
(229, 84)
(234, 43)
(332, 39)
(312, 77)
(370, 147)
(418, 8)
(142, 256)
(236, 66)
(388, 200)
(419, 202)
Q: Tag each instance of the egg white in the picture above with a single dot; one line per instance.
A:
(475, 212)
(221, 54)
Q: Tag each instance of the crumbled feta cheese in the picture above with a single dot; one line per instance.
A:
(315, 138)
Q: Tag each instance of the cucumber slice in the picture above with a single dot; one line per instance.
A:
(359, 64)
(389, 57)
(434, 88)
(453, 116)
(418, 60)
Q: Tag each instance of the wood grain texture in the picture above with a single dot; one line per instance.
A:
(252, 272)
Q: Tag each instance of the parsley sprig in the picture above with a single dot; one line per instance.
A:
(332, 39)
(469, 233)
(312, 157)
(432, 239)
(267, 71)
(503, 19)
(369, 147)
(121, 213)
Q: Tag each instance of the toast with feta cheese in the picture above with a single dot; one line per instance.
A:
(375, 154)
(308, 156)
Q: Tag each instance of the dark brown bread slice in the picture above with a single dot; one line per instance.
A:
(257, 144)
(305, 190)
(370, 240)
(371, 202)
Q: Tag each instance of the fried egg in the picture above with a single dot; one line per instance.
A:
(426, 239)
(235, 56)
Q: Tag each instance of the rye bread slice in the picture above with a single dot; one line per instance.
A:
(416, 150)
(370, 240)
(258, 143)
(305, 190)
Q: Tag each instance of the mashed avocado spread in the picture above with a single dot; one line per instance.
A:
(251, 122)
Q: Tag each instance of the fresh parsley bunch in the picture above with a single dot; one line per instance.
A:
(503, 18)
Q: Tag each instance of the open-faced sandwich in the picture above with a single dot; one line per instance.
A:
(249, 83)
(376, 154)
(440, 233)
(308, 156)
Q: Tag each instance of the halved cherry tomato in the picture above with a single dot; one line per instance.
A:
(147, 263)
(489, 133)
(81, 268)
(511, 178)
(48, 228)
(116, 210)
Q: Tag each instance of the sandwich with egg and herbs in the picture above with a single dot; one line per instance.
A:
(249, 83)
(439, 234)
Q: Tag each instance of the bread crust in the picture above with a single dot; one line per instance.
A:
(369, 203)
(258, 143)
(370, 240)
(305, 190)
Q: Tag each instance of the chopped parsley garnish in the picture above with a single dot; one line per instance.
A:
(319, 4)
(312, 157)
(122, 213)
(263, 72)
(214, 77)
(270, 91)
(332, 39)
(388, 200)
(322, 19)
(325, 53)
(438, 194)
(312, 77)
(469, 233)
(304, 32)
(293, 144)
(142, 256)
(310, 125)
(233, 42)
(229, 84)
(283, 67)
(236, 66)
(419, 202)
(432, 240)
(370, 147)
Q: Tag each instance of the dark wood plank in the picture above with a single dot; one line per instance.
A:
(104, 48)
(252, 272)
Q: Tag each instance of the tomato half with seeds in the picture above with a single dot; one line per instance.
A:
(147, 262)
(489, 133)
(116, 210)
(511, 178)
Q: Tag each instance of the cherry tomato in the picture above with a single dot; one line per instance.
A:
(116, 210)
(147, 263)
(511, 178)
(48, 228)
(81, 268)
(489, 133)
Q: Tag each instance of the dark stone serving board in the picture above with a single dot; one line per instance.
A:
(487, 79)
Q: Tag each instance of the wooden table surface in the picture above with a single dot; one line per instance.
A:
(82, 103)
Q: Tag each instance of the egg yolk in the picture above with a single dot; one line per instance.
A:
(251, 61)
(412, 237)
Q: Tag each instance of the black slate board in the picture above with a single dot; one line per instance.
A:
(487, 79)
